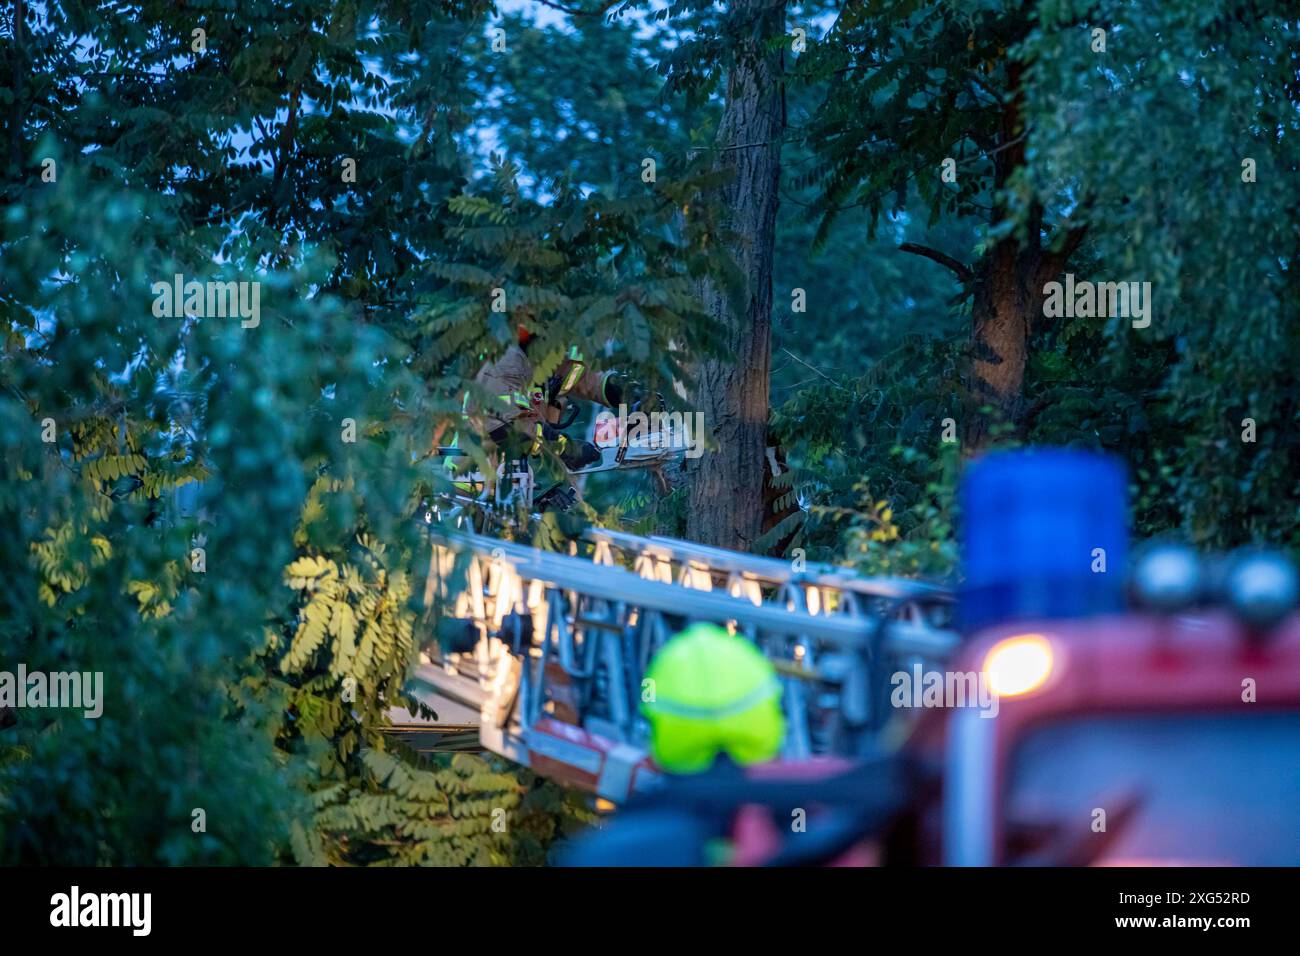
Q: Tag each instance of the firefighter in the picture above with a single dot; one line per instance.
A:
(524, 413)
(714, 706)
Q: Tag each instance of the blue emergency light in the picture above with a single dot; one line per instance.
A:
(1045, 534)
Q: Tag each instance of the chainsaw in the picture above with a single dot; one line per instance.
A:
(627, 441)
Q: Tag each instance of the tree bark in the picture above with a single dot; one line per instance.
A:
(1000, 324)
(1008, 301)
(1008, 294)
(726, 483)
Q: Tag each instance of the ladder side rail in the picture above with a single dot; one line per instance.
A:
(616, 584)
(773, 572)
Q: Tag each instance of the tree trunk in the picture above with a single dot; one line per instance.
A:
(1008, 294)
(1000, 324)
(726, 484)
(1008, 301)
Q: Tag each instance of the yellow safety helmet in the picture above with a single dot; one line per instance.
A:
(711, 692)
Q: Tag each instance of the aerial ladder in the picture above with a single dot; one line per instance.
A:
(540, 657)
(547, 652)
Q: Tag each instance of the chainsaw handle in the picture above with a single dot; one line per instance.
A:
(567, 416)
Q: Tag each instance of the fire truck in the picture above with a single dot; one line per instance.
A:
(1077, 707)
(1149, 737)
(1145, 717)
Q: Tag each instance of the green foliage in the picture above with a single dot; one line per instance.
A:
(99, 582)
(860, 292)
(221, 686)
(873, 477)
(583, 100)
(909, 85)
(1144, 145)
(620, 272)
(345, 650)
(1150, 139)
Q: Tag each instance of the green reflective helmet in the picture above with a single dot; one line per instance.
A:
(711, 692)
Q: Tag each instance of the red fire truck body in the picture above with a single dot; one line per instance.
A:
(1135, 738)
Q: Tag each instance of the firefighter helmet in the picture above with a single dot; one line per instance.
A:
(711, 692)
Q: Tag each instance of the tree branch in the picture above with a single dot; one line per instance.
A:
(963, 271)
(579, 13)
(814, 368)
(1055, 262)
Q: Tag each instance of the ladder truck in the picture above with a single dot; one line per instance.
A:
(1118, 711)
(550, 649)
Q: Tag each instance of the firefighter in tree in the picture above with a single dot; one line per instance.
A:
(524, 414)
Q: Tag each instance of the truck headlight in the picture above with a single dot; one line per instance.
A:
(1018, 665)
